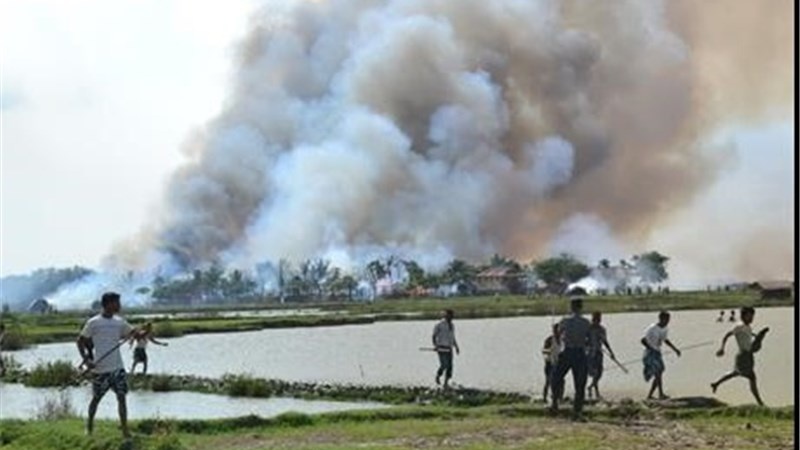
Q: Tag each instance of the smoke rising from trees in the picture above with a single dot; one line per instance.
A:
(440, 129)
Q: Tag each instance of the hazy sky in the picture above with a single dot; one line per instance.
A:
(98, 96)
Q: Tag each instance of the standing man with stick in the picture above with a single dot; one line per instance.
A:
(574, 332)
(654, 336)
(748, 344)
(597, 339)
(444, 341)
(103, 334)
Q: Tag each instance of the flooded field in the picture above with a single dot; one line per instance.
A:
(501, 354)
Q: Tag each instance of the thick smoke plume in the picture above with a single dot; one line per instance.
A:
(439, 129)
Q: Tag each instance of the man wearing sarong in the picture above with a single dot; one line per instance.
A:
(655, 335)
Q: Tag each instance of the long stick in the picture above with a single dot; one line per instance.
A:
(102, 357)
(688, 347)
(619, 364)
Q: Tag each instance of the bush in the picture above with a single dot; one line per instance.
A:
(52, 374)
(55, 408)
(14, 338)
(167, 329)
(161, 383)
(245, 386)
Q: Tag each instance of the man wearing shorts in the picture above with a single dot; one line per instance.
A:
(98, 345)
(744, 363)
(654, 336)
(594, 354)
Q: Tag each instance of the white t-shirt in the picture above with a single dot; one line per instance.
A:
(654, 335)
(106, 333)
(744, 336)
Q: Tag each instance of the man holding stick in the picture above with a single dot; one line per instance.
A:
(597, 339)
(444, 342)
(102, 335)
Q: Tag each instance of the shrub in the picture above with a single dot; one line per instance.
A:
(167, 329)
(245, 386)
(56, 407)
(161, 383)
(52, 374)
(14, 338)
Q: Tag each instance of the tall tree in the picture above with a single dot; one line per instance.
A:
(558, 272)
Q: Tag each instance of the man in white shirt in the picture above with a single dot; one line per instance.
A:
(98, 344)
(655, 335)
(744, 363)
(444, 341)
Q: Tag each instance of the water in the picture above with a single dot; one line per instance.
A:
(21, 402)
(501, 354)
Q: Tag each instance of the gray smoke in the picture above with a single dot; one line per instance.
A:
(435, 129)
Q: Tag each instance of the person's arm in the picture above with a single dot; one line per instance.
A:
(646, 344)
(433, 336)
(725, 338)
(455, 343)
(152, 339)
(85, 349)
(675, 349)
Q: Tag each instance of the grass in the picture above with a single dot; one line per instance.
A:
(418, 427)
(52, 374)
(31, 329)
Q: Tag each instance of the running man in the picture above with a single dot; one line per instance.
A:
(597, 339)
(748, 345)
(103, 334)
(550, 350)
(139, 352)
(444, 341)
(574, 331)
(654, 336)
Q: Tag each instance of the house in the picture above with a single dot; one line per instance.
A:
(773, 289)
(500, 280)
(40, 306)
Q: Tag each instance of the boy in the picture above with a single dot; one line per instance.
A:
(744, 363)
(550, 350)
(140, 352)
(655, 335)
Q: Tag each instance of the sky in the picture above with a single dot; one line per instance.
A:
(98, 97)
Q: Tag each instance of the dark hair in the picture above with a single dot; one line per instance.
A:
(664, 314)
(576, 303)
(747, 310)
(596, 314)
(448, 312)
(109, 297)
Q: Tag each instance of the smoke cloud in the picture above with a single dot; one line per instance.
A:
(440, 129)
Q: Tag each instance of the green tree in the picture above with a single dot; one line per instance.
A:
(558, 272)
(651, 267)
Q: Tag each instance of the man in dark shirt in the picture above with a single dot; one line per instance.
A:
(574, 331)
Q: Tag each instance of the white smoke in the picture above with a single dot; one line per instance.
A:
(439, 129)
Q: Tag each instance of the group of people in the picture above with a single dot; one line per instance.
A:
(577, 345)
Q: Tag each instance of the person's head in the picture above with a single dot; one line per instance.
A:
(733, 312)
(746, 314)
(447, 314)
(597, 317)
(576, 305)
(663, 318)
(110, 303)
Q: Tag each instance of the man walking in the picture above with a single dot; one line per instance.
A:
(654, 336)
(744, 363)
(444, 342)
(597, 339)
(98, 344)
(574, 332)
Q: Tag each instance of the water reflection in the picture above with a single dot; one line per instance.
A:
(21, 402)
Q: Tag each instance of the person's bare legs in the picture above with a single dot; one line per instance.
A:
(754, 389)
(122, 409)
(144, 364)
(92, 411)
(723, 379)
